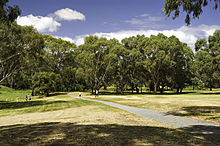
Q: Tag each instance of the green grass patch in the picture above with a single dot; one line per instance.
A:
(13, 102)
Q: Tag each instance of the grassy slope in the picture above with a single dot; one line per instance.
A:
(13, 102)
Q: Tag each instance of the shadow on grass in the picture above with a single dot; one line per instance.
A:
(56, 133)
(197, 111)
(56, 94)
(143, 93)
(16, 105)
(210, 133)
(211, 93)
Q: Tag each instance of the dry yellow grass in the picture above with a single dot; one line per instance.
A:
(203, 106)
(90, 125)
(62, 120)
(79, 115)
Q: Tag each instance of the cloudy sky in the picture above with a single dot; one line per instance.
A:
(73, 20)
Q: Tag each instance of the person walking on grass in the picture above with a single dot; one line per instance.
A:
(96, 93)
(29, 97)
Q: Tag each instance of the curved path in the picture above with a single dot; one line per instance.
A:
(209, 130)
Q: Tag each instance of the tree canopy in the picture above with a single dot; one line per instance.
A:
(8, 13)
(43, 63)
(193, 8)
(207, 60)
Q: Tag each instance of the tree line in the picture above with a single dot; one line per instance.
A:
(30, 60)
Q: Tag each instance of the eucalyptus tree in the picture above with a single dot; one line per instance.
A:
(191, 7)
(182, 57)
(28, 60)
(96, 58)
(7, 30)
(135, 56)
(46, 82)
(20, 48)
(207, 60)
(8, 13)
(158, 61)
(60, 53)
(167, 62)
(118, 52)
(60, 59)
(120, 72)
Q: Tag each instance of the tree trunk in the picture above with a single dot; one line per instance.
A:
(181, 90)
(132, 88)
(137, 90)
(210, 88)
(162, 89)
(12, 82)
(32, 92)
(92, 91)
(177, 90)
(155, 88)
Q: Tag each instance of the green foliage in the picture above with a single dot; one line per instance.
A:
(206, 63)
(22, 52)
(200, 44)
(191, 7)
(46, 64)
(19, 46)
(46, 82)
(197, 83)
(8, 13)
(167, 61)
(134, 72)
(96, 58)
(59, 53)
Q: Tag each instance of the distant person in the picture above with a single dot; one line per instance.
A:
(80, 94)
(29, 97)
(96, 93)
(26, 98)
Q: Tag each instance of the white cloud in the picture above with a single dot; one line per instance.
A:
(200, 31)
(144, 15)
(68, 14)
(42, 24)
(50, 23)
(65, 38)
(144, 21)
(186, 34)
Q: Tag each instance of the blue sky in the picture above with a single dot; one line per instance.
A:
(75, 19)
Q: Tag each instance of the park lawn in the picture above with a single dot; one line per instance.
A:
(62, 120)
(204, 105)
(13, 102)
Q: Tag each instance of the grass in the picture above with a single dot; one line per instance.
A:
(14, 102)
(63, 120)
(57, 133)
(204, 105)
